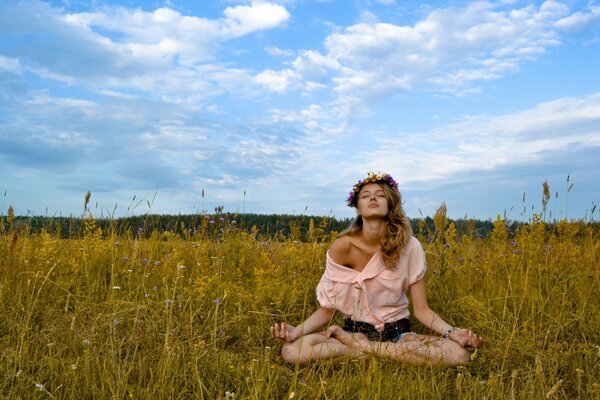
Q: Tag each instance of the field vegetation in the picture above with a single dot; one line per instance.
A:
(138, 312)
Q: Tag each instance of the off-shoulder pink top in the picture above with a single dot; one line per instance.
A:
(377, 294)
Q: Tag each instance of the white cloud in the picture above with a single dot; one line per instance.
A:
(276, 81)
(174, 136)
(321, 124)
(10, 64)
(314, 66)
(134, 40)
(119, 95)
(277, 52)
(258, 16)
(370, 84)
(478, 144)
(165, 32)
(159, 98)
(174, 56)
(165, 47)
(44, 99)
(166, 54)
(580, 21)
(450, 50)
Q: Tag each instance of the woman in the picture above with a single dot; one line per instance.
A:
(369, 270)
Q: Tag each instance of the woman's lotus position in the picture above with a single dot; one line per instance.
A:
(369, 270)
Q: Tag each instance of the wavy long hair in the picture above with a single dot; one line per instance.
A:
(398, 227)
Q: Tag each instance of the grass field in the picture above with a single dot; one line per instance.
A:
(180, 315)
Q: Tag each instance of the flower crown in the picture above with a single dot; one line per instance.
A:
(372, 177)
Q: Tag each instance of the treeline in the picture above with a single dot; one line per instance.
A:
(274, 226)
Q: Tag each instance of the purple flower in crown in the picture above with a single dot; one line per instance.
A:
(391, 181)
(350, 199)
(372, 177)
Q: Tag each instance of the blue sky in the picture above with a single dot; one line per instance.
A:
(474, 104)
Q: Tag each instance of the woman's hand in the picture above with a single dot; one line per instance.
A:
(285, 332)
(466, 338)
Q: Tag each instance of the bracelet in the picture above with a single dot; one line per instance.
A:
(447, 333)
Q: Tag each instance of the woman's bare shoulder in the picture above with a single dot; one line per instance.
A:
(340, 249)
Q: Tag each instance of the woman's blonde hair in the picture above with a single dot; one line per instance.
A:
(398, 232)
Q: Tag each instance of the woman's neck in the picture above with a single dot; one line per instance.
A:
(373, 231)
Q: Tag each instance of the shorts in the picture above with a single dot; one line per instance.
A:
(392, 331)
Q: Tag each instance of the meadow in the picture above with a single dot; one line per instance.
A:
(184, 314)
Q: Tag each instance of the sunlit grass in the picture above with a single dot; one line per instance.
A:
(186, 314)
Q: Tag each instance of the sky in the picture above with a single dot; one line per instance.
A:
(280, 106)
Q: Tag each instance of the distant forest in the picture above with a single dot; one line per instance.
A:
(304, 228)
(277, 227)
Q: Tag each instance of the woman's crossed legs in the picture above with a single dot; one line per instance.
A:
(411, 348)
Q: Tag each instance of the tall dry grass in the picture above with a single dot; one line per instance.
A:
(180, 315)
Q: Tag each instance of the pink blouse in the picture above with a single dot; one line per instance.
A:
(377, 294)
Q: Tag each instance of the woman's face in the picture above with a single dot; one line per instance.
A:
(372, 201)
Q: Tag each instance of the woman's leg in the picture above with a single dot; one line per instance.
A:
(411, 348)
(315, 346)
(423, 349)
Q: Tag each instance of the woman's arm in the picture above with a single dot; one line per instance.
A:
(421, 309)
(290, 333)
(338, 251)
(430, 319)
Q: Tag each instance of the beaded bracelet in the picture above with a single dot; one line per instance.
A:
(448, 332)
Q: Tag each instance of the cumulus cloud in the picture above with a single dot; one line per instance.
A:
(153, 73)
(450, 50)
(10, 65)
(314, 66)
(580, 21)
(245, 19)
(484, 143)
(319, 123)
(276, 81)
(115, 48)
(163, 99)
